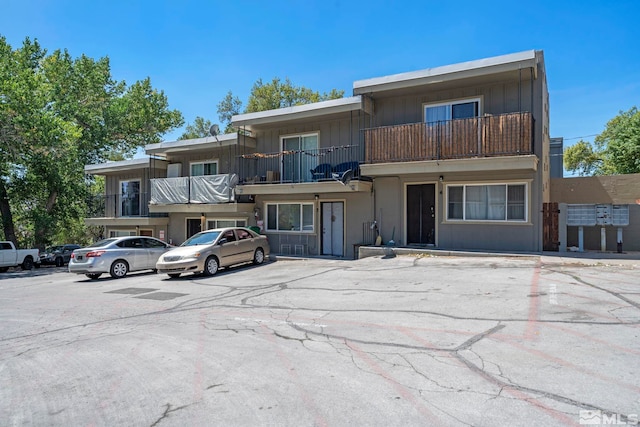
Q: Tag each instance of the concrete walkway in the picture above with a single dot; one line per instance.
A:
(586, 258)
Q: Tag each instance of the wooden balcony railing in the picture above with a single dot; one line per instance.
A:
(487, 136)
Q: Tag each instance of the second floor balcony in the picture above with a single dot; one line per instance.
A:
(133, 205)
(487, 136)
(300, 166)
(205, 189)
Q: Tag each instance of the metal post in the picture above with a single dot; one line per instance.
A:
(603, 239)
(562, 227)
(581, 238)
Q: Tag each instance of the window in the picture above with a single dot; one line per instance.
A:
(229, 236)
(300, 158)
(204, 168)
(495, 202)
(221, 223)
(153, 243)
(243, 234)
(130, 243)
(130, 198)
(121, 233)
(451, 110)
(290, 217)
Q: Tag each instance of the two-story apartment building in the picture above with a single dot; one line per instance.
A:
(453, 157)
(459, 154)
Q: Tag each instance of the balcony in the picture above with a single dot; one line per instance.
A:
(119, 206)
(487, 136)
(300, 166)
(206, 189)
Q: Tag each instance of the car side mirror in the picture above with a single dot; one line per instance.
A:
(222, 241)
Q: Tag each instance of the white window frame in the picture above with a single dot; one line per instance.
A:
(120, 196)
(204, 162)
(450, 104)
(464, 186)
(121, 233)
(234, 220)
(309, 230)
(309, 160)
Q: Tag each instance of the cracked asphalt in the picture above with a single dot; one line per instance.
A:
(403, 341)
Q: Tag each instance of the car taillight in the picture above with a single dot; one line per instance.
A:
(94, 254)
(73, 256)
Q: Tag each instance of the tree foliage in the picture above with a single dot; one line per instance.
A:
(57, 114)
(615, 151)
(227, 108)
(270, 96)
(199, 129)
(280, 94)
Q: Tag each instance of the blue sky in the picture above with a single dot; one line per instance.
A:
(196, 51)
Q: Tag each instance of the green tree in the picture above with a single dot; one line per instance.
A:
(227, 108)
(270, 96)
(280, 94)
(57, 114)
(581, 158)
(615, 151)
(199, 129)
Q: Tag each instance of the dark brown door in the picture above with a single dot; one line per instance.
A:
(193, 227)
(421, 214)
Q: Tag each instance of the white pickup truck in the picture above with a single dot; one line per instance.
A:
(12, 257)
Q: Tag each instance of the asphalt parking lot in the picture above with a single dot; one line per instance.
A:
(382, 341)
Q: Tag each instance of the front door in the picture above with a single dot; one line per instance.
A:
(193, 226)
(333, 228)
(421, 214)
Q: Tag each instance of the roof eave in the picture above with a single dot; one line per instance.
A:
(464, 70)
(316, 109)
(183, 145)
(124, 165)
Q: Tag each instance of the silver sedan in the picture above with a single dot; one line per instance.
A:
(209, 250)
(117, 256)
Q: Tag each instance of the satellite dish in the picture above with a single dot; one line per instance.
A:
(344, 178)
(214, 130)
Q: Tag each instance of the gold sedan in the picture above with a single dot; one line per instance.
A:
(208, 251)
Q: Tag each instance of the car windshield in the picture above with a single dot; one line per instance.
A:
(101, 243)
(206, 238)
(53, 249)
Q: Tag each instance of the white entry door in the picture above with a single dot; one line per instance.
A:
(333, 228)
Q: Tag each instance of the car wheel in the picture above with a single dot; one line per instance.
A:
(93, 276)
(4, 269)
(258, 256)
(27, 264)
(174, 275)
(119, 269)
(211, 266)
(59, 262)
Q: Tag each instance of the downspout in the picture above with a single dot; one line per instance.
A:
(532, 118)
